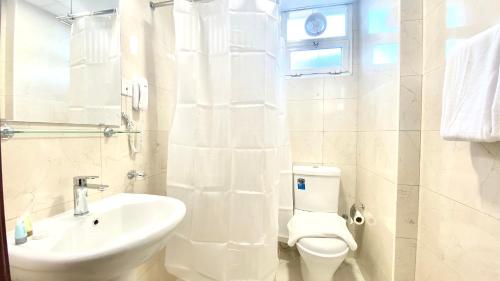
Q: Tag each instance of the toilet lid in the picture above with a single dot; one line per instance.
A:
(324, 246)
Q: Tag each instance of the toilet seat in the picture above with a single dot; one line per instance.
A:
(323, 247)
(322, 233)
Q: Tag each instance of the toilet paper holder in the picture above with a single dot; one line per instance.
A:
(356, 213)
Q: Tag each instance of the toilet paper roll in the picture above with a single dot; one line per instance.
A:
(356, 214)
(358, 219)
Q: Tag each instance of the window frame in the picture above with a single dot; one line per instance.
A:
(343, 42)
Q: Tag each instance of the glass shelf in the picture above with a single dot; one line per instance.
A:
(7, 132)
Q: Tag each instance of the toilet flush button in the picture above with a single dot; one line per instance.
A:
(301, 184)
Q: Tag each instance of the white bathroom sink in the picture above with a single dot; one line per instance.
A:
(120, 233)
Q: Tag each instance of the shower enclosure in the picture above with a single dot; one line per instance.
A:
(228, 147)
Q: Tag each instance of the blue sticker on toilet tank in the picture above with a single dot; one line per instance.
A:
(301, 184)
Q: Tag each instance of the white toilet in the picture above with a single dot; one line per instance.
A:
(316, 195)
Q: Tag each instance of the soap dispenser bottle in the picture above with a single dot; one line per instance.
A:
(20, 234)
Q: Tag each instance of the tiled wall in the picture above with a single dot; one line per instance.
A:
(321, 115)
(410, 104)
(38, 170)
(459, 220)
(378, 125)
(389, 113)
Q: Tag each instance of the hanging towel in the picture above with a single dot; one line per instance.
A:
(319, 225)
(471, 93)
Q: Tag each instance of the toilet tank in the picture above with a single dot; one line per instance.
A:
(316, 188)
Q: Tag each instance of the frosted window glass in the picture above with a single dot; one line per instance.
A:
(336, 24)
(385, 54)
(312, 59)
(455, 15)
(380, 21)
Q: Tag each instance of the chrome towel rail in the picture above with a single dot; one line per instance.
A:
(6, 132)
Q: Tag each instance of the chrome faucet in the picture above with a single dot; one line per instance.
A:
(80, 187)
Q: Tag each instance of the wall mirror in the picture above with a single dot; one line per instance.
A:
(60, 61)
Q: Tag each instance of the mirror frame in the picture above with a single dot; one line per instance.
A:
(4, 253)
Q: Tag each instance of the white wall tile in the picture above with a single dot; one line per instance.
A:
(377, 238)
(409, 158)
(305, 115)
(378, 115)
(378, 152)
(340, 115)
(307, 88)
(456, 242)
(432, 89)
(407, 212)
(411, 10)
(459, 203)
(339, 148)
(410, 103)
(466, 172)
(306, 147)
(411, 47)
(405, 259)
(341, 87)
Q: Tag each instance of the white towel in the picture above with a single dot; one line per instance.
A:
(471, 93)
(319, 225)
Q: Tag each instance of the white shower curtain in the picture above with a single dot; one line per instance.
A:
(94, 56)
(228, 146)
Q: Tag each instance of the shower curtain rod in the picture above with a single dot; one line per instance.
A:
(85, 14)
(155, 5)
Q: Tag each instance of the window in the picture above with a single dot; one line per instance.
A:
(318, 40)
(385, 54)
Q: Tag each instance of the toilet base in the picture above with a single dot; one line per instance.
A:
(318, 268)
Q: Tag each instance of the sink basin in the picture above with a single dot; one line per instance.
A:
(121, 232)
